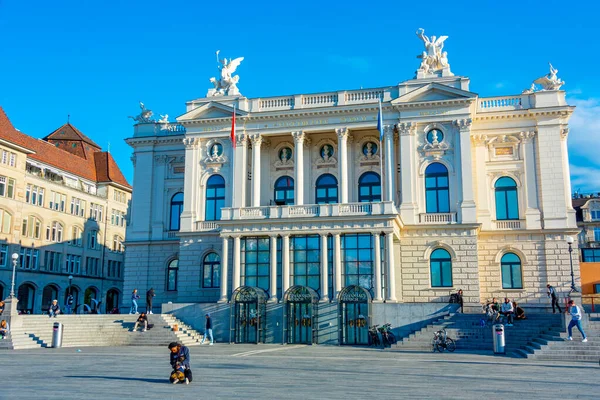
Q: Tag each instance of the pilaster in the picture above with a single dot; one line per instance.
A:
(285, 260)
(532, 210)
(484, 215)
(389, 163)
(468, 209)
(224, 270)
(324, 275)
(408, 203)
(273, 268)
(337, 245)
(377, 269)
(236, 262)
(256, 144)
(191, 186)
(299, 167)
(342, 134)
(391, 272)
(240, 171)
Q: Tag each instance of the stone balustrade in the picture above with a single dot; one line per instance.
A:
(310, 210)
(437, 218)
(503, 103)
(509, 224)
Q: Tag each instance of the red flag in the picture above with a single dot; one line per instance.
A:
(233, 129)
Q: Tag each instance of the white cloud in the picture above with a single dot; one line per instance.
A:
(584, 144)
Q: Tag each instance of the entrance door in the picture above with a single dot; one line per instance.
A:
(246, 323)
(355, 329)
(300, 330)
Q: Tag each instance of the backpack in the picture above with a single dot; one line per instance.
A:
(454, 298)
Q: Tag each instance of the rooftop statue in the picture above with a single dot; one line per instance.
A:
(144, 117)
(227, 84)
(550, 81)
(434, 61)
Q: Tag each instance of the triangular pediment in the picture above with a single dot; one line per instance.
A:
(434, 92)
(210, 110)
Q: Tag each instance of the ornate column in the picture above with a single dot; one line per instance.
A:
(468, 210)
(299, 167)
(236, 263)
(273, 272)
(240, 172)
(256, 143)
(337, 245)
(408, 175)
(377, 269)
(532, 210)
(285, 259)
(391, 273)
(342, 134)
(324, 272)
(224, 266)
(388, 186)
(190, 186)
(484, 191)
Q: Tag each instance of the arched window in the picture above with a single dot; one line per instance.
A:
(176, 209)
(211, 271)
(92, 240)
(49, 293)
(90, 299)
(26, 297)
(112, 301)
(5, 222)
(284, 191)
(440, 265)
(512, 277)
(54, 232)
(437, 197)
(326, 189)
(118, 244)
(172, 271)
(507, 203)
(215, 197)
(369, 187)
(31, 227)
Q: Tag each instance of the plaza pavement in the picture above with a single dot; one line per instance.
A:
(288, 372)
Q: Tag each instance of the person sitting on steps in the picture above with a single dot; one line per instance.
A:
(142, 320)
(508, 311)
(519, 312)
(4, 330)
(54, 309)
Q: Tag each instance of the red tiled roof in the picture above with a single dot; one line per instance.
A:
(48, 153)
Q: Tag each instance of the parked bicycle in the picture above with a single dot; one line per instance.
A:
(374, 336)
(387, 336)
(442, 342)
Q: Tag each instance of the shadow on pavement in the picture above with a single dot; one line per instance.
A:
(120, 378)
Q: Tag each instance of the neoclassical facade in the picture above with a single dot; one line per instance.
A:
(455, 191)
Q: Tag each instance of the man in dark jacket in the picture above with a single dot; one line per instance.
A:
(180, 356)
(149, 295)
(208, 330)
(552, 293)
(54, 309)
(143, 321)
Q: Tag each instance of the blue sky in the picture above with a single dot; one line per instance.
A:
(96, 60)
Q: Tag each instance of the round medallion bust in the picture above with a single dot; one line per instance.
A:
(370, 149)
(216, 150)
(435, 136)
(285, 154)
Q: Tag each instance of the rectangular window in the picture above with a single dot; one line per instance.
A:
(28, 258)
(73, 264)
(31, 227)
(4, 157)
(96, 212)
(92, 240)
(595, 214)
(305, 261)
(34, 195)
(13, 160)
(91, 266)
(77, 207)
(76, 236)
(357, 259)
(255, 262)
(58, 201)
(597, 234)
(52, 261)
(3, 255)
(590, 255)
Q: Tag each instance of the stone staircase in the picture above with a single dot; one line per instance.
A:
(97, 330)
(185, 333)
(550, 349)
(469, 335)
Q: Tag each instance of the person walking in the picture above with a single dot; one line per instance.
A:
(134, 298)
(575, 320)
(149, 295)
(552, 293)
(69, 304)
(208, 330)
(180, 358)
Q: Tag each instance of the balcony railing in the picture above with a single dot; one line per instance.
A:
(207, 226)
(309, 210)
(503, 103)
(437, 218)
(509, 224)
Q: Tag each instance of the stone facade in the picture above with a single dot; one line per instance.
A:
(69, 229)
(476, 143)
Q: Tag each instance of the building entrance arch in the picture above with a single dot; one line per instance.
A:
(26, 296)
(354, 309)
(300, 315)
(248, 315)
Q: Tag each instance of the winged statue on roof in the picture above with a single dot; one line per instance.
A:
(145, 115)
(550, 81)
(433, 59)
(227, 84)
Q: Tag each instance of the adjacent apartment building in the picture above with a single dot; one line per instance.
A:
(63, 209)
(588, 219)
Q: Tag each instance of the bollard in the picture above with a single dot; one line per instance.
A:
(57, 335)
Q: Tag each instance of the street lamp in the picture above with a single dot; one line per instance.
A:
(15, 258)
(70, 279)
(570, 241)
